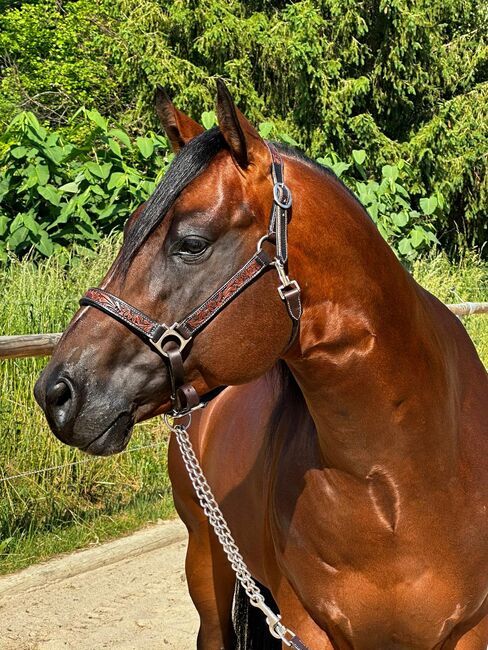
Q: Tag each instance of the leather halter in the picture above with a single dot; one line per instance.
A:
(171, 341)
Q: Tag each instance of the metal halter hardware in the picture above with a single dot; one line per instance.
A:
(171, 341)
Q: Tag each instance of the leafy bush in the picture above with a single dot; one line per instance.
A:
(54, 192)
(408, 230)
(405, 80)
(54, 62)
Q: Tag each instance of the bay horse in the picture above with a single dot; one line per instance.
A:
(351, 464)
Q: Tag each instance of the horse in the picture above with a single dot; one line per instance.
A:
(348, 455)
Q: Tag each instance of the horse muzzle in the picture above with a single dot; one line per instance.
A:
(96, 426)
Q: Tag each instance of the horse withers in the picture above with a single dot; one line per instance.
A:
(351, 460)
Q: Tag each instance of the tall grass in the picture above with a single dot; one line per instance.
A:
(463, 281)
(79, 504)
(96, 499)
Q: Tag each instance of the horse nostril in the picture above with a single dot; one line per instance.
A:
(60, 400)
(59, 394)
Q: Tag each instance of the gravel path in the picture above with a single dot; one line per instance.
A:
(129, 594)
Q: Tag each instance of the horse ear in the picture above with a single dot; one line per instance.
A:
(179, 128)
(244, 141)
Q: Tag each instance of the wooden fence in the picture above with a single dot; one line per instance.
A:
(27, 345)
(40, 345)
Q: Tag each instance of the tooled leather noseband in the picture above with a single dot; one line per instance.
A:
(170, 342)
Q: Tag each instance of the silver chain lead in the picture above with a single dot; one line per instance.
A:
(216, 518)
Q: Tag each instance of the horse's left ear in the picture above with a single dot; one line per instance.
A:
(245, 143)
(179, 128)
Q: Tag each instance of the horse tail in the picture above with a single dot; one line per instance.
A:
(252, 631)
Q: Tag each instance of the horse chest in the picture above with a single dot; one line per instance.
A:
(363, 574)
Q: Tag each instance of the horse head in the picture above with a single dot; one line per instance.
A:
(200, 227)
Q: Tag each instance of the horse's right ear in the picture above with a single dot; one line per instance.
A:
(179, 128)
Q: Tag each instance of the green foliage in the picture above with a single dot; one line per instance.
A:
(404, 80)
(54, 59)
(405, 221)
(465, 280)
(408, 230)
(54, 192)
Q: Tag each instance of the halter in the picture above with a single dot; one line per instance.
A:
(171, 341)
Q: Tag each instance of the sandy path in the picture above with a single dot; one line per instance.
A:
(129, 594)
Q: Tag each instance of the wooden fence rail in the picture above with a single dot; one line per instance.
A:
(469, 308)
(40, 345)
(27, 345)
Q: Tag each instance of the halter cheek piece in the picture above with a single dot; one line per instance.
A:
(170, 342)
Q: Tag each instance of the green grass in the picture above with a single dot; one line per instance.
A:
(101, 498)
(78, 505)
(467, 280)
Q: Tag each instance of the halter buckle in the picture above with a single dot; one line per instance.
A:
(282, 195)
(291, 284)
(279, 266)
(169, 334)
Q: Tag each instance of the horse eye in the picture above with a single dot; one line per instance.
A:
(193, 246)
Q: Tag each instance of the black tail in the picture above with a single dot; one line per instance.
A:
(252, 632)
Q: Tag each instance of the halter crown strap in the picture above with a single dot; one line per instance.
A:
(278, 228)
(282, 201)
(296, 643)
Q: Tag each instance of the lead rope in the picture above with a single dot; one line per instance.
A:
(216, 518)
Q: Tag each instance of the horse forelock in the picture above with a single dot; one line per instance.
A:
(187, 165)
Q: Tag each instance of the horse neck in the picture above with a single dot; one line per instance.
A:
(370, 361)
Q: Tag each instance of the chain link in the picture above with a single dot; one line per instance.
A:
(216, 518)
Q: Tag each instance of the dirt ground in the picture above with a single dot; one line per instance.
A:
(129, 594)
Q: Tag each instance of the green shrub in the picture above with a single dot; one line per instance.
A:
(54, 61)
(405, 80)
(408, 230)
(54, 193)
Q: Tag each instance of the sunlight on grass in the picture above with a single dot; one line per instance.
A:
(81, 504)
(464, 281)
